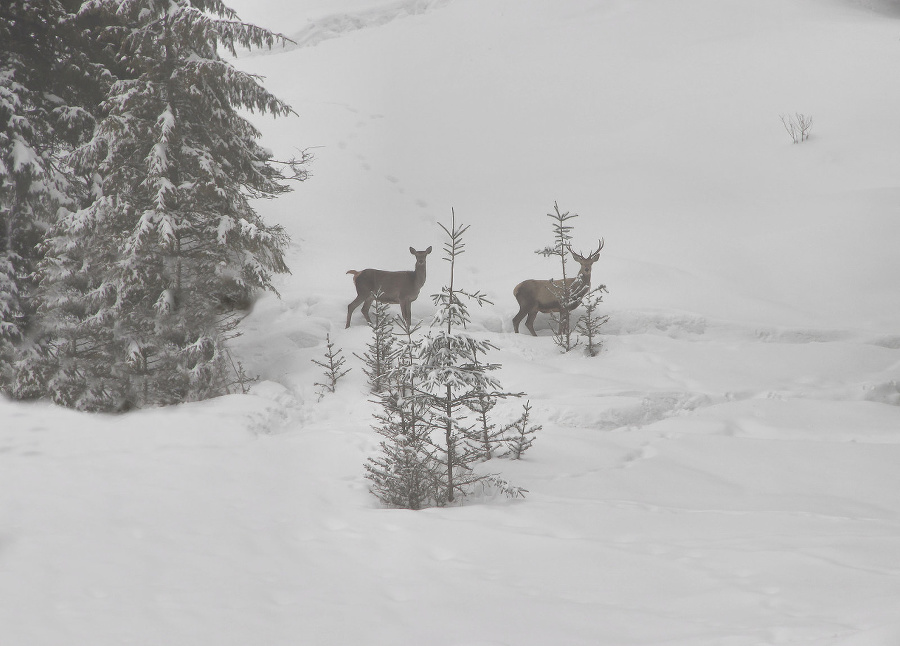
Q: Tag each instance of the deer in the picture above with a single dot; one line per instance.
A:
(543, 295)
(397, 287)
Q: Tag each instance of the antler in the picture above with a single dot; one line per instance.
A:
(589, 255)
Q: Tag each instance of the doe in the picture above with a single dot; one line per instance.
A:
(395, 286)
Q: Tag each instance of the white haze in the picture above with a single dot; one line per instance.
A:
(724, 473)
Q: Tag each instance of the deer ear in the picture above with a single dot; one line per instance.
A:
(428, 250)
(412, 251)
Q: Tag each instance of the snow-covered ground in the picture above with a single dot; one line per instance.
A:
(725, 472)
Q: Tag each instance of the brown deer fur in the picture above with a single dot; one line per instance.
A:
(543, 295)
(396, 287)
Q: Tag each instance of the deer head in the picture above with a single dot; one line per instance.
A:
(586, 262)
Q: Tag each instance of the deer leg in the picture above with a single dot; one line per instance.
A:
(529, 322)
(518, 319)
(352, 306)
(406, 311)
(366, 305)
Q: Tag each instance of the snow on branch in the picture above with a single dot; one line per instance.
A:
(24, 157)
(244, 89)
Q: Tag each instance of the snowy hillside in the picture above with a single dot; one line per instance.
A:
(725, 472)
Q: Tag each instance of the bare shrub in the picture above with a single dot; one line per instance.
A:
(797, 126)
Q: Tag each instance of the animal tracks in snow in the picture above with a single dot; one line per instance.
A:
(347, 144)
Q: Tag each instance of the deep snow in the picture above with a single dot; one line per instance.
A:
(725, 472)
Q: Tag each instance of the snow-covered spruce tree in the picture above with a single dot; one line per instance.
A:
(46, 80)
(10, 317)
(591, 321)
(566, 292)
(519, 436)
(406, 473)
(452, 377)
(380, 352)
(169, 243)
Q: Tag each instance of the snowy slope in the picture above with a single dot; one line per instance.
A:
(723, 473)
(660, 125)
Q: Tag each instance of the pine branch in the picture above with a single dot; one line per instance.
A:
(569, 295)
(519, 435)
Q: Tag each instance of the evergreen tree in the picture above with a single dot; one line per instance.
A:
(590, 322)
(380, 353)
(519, 435)
(568, 294)
(10, 315)
(406, 474)
(486, 436)
(46, 77)
(334, 367)
(453, 377)
(139, 282)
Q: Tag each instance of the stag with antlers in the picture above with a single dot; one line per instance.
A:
(544, 296)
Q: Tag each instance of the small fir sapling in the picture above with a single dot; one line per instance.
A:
(590, 322)
(563, 334)
(428, 447)
(453, 377)
(406, 473)
(241, 379)
(485, 434)
(333, 365)
(519, 436)
(380, 354)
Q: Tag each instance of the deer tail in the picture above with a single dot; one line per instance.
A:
(354, 272)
